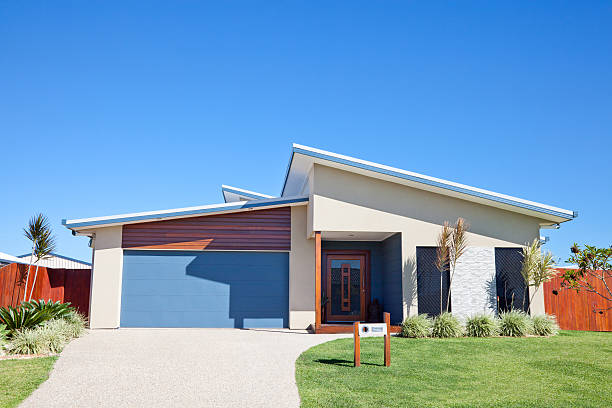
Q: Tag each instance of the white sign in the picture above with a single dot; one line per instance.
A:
(372, 329)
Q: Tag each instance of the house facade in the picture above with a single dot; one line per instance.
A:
(346, 240)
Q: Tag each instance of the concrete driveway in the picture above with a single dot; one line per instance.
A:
(177, 367)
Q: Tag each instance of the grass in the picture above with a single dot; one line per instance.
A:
(19, 377)
(570, 369)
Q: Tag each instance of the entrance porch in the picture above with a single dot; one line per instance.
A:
(358, 278)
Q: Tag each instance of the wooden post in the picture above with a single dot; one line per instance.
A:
(387, 318)
(317, 280)
(357, 357)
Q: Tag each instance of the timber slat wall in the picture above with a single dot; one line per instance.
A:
(65, 285)
(249, 230)
(575, 311)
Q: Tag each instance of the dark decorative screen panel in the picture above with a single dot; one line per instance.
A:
(510, 283)
(428, 282)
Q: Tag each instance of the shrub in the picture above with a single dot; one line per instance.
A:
(3, 334)
(26, 341)
(416, 326)
(446, 325)
(514, 323)
(481, 325)
(52, 309)
(544, 325)
(76, 323)
(18, 318)
(53, 336)
(48, 338)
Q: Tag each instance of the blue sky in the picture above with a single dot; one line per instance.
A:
(110, 108)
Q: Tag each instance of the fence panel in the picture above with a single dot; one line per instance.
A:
(577, 311)
(65, 285)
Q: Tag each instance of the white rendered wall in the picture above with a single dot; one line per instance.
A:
(301, 272)
(105, 300)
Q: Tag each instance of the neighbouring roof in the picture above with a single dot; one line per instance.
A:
(120, 219)
(233, 194)
(303, 158)
(59, 261)
(7, 259)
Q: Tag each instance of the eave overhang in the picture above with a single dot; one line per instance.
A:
(304, 157)
(82, 225)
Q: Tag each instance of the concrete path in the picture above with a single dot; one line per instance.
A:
(177, 367)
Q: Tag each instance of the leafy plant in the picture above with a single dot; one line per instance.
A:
(52, 309)
(3, 333)
(53, 336)
(544, 325)
(537, 268)
(26, 342)
(18, 318)
(594, 264)
(76, 323)
(481, 325)
(514, 323)
(418, 326)
(446, 325)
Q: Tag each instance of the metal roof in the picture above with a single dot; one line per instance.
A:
(415, 179)
(119, 219)
(232, 194)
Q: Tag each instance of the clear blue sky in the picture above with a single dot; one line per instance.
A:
(110, 108)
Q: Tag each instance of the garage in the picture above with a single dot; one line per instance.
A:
(233, 289)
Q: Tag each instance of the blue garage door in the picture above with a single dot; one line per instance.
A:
(205, 289)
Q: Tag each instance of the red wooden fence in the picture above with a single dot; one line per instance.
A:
(65, 285)
(577, 311)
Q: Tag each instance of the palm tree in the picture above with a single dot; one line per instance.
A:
(43, 243)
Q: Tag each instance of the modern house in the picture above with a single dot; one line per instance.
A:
(345, 240)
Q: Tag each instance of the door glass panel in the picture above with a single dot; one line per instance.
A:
(345, 279)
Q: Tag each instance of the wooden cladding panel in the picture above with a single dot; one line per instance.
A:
(247, 230)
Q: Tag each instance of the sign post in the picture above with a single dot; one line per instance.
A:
(372, 330)
(387, 318)
(357, 360)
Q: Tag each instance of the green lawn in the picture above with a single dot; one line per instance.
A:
(572, 369)
(18, 378)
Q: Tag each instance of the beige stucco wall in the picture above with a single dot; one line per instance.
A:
(301, 272)
(105, 300)
(344, 201)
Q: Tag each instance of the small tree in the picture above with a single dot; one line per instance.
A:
(452, 243)
(442, 256)
(593, 263)
(537, 268)
(43, 243)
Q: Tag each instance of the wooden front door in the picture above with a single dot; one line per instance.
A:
(346, 287)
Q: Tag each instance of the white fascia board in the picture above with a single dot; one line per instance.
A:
(132, 218)
(424, 180)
